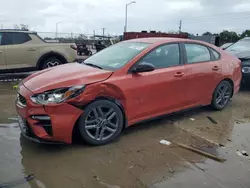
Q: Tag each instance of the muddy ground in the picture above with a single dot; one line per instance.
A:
(137, 159)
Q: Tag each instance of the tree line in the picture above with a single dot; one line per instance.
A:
(229, 36)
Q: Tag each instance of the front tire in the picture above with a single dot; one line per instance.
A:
(222, 95)
(101, 122)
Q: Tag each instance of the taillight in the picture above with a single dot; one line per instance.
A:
(74, 47)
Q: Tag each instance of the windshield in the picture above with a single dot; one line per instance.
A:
(116, 56)
(240, 46)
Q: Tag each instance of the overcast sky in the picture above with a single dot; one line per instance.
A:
(161, 15)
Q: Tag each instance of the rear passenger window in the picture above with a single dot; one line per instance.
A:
(216, 54)
(16, 38)
(197, 53)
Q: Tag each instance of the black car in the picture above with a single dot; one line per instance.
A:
(241, 49)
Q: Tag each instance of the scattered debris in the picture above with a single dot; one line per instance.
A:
(14, 119)
(192, 119)
(130, 167)
(221, 145)
(202, 137)
(18, 182)
(109, 186)
(238, 121)
(229, 140)
(96, 177)
(212, 120)
(214, 157)
(165, 142)
(170, 168)
(243, 154)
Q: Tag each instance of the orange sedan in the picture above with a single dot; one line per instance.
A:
(124, 84)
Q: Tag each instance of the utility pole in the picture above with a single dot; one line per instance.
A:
(56, 35)
(94, 33)
(1, 26)
(180, 26)
(103, 31)
(126, 15)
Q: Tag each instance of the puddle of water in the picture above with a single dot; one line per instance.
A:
(135, 160)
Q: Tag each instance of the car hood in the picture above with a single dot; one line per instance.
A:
(243, 56)
(64, 76)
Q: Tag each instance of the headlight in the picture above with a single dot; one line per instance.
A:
(246, 69)
(57, 95)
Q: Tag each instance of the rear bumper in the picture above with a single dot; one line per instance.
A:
(58, 129)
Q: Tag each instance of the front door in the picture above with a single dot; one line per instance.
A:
(160, 91)
(19, 52)
(2, 57)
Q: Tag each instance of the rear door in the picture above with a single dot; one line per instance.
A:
(203, 72)
(2, 57)
(19, 51)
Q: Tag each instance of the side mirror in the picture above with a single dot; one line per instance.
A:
(143, 67)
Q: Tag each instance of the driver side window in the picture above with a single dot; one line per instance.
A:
(164, 56)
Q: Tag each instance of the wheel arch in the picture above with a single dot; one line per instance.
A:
(226, 79)
(50, 54)
(231, 82)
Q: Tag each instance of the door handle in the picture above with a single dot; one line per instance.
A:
(216, 68)
(31, 49)
(179, 74)
(1, 52)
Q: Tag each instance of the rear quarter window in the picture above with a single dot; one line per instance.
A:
(215, 54)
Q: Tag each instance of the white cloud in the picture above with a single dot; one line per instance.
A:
(160, 15)
(184, 5)
(243, 7)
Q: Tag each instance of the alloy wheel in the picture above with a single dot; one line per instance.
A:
(101, 123)
(52, 63)
(223, 94)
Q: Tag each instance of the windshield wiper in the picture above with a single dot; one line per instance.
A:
(93, 65)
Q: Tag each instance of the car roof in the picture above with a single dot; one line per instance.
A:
(161, 40)
(17, 31)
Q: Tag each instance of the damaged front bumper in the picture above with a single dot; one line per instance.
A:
(27, 133)
(45, 124)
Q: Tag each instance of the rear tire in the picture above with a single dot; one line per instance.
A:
(101, 122)
(222, 95)
(50, 62)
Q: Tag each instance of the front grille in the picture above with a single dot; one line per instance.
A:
(21, 100)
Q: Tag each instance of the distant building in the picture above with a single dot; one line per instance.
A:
(145, 34)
